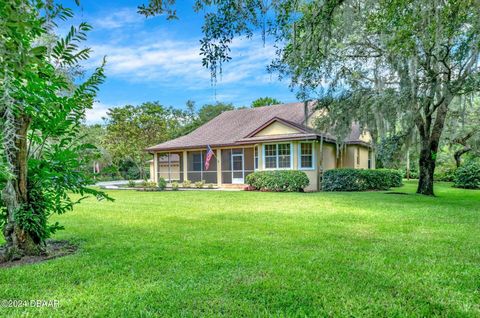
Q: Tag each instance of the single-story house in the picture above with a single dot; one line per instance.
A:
(278, 137)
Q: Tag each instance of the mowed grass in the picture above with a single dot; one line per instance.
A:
(209, 253)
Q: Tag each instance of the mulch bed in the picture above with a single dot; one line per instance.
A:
(54, 248)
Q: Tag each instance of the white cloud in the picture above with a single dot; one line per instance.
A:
(117, 19)
(94, 115)
(178, 62)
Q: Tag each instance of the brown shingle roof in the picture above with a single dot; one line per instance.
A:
(231, 127)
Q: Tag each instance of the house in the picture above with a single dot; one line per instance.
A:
(265, 138)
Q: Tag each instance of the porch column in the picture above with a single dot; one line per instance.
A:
(295, 155)
(155, 168)
(219, 167)
(259, 156)
(185, 166)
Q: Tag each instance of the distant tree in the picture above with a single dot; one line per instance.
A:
(131, 129)
(99, 157)
(265, 101)
(209, 111)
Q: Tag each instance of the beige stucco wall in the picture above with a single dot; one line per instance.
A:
(329, 156)
(276, 128)
(363, 158)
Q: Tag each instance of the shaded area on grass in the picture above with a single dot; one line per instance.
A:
(53, 249)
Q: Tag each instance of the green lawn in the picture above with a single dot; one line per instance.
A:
(210, 253)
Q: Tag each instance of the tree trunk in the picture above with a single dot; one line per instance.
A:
(427, 168)
(458, 155)
(430, 139)
(15, 196)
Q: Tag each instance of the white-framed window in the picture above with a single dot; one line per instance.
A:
(277, 156)
(306, 156)
(255, 157)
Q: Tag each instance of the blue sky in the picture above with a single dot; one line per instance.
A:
(158, 60)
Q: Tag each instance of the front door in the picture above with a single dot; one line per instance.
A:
(237, 166)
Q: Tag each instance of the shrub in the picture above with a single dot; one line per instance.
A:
(162, 184)
(210, 185)
(186, 183)
(149, 185)
(199, 184)
(446, 174)
(468, 176)
(279, 181)
(131, 184)
(175, 186)
(361, 179)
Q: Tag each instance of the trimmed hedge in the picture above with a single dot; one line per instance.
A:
(468, 176)
(278, 181)
(360, 179)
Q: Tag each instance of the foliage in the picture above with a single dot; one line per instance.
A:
(162, 184)
(42, 108)
(175, 186)
(278, 181)
(265, 101)
(210, 186)
(186, 183)
(131, 129)
(468, 175)
(131, 184)
(360, 179)
(199, 184)
(445, 173)
(390, 151)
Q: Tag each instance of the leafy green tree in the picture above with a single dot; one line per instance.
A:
(41, 110)
(417, 55)
(131, 129)
(209, 111)
(265, 101)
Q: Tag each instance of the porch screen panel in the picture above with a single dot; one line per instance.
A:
(249, 163)
(196, 167)
(170, 166)
(210, 175)
(227, 166)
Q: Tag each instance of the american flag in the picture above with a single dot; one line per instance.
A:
(209, 156)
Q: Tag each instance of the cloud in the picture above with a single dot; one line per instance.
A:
(94, 115)
(154, 57)
(123, 17)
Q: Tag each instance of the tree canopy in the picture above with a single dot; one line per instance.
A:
(265, 101)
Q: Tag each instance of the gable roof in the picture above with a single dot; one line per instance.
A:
(239, 127)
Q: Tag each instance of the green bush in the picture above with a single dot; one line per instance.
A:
(446, 174)
(162, 184)
(361, 179)
(279, 181)
(175, 186)
(199, 184)
(468, 176)
(186, 184)
(131, 184)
